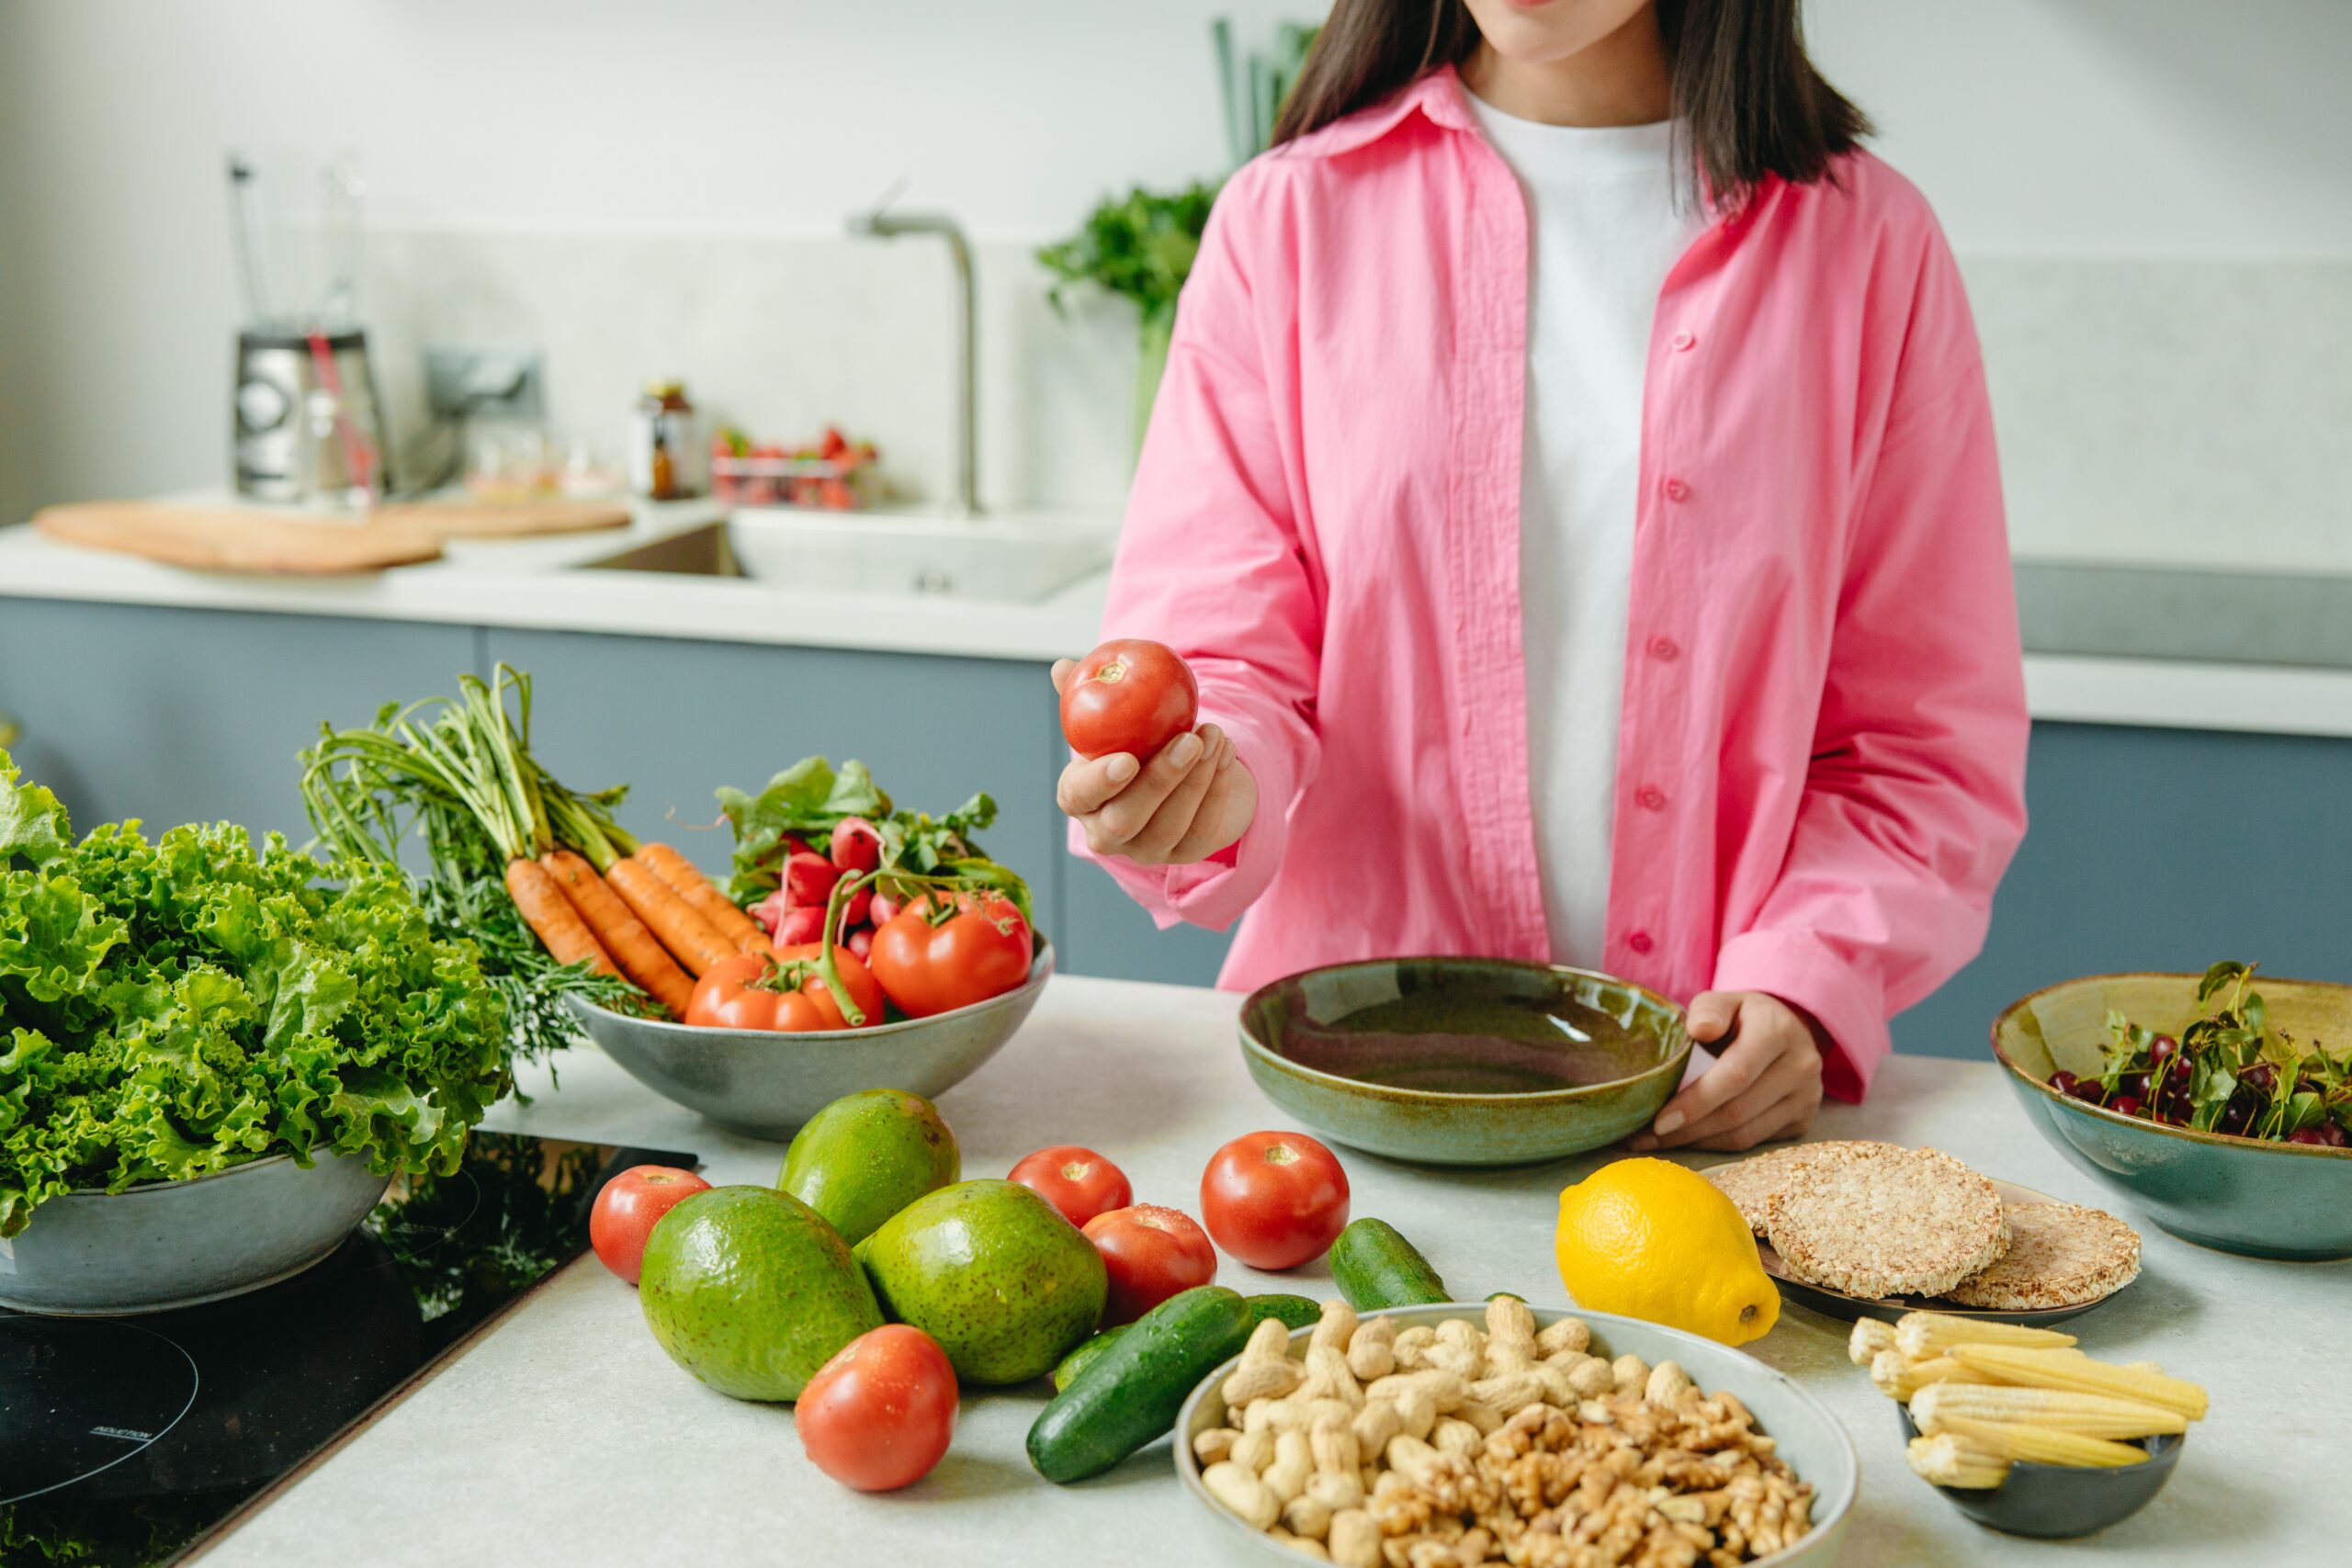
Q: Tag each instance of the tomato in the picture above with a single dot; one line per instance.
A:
(1079, 1182)
(1128, 695)
(879, 1415)
(1274, 1200)
(1152, 1252)
(937, 955)
(628, 1206)
(754, 990)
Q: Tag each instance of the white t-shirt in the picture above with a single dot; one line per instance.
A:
(1606, 223)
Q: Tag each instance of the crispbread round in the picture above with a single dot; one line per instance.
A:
(2059, 1255)
(1748, 1182)
(1875, 1220)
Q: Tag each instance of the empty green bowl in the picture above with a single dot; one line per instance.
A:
(2244, 1195)
(1464, 1061)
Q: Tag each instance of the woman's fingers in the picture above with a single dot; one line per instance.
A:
(1791, 1074)
(1788, 1118)
(1225, 813)
(1153, 842)
(1060, 672)
(1089, 783)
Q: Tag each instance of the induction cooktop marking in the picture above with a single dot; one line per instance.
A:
(194, 1382)
(123, 1432)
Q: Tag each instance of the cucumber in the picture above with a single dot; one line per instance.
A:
(1296, 1311)
(1128, 1395)
(1505, 1296)
(1375, 1267)
(1076, 1361)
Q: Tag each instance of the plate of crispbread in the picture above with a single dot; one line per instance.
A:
(1859, 1228)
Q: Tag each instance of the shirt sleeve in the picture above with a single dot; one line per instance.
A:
(1914, 801)
(1211, 560)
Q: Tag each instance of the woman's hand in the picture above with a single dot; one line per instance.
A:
(1182, 806)
(1765, 1084)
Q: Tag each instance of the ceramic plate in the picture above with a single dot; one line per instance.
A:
(1836, 1304)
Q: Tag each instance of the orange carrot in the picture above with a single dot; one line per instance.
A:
(640, 957)
(687, 934)
(551, 917)
(709, 902)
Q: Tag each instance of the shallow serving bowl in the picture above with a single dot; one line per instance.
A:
(1805, 1433)
(764, 1084)
(1464, 1061)
(176, 1244)
(2057, 1502)
(2244, 1195)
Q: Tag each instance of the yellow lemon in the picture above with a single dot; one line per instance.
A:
(1649, 1239)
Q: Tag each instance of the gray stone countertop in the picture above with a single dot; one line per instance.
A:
(565, 1436)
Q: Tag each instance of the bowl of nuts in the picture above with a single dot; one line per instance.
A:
(1436, 1434)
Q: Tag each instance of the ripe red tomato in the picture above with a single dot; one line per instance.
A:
(879, 1414)
(933, 956)
(1151, 1253)
(1128, 695)
(1274, 1200)
(1079, 1182)
(753, 990)
(625, 1209)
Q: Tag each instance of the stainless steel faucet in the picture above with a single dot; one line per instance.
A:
(883, 224)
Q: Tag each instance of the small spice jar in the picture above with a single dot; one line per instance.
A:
(666, 460)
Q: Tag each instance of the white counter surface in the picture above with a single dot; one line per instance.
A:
(532, 583)
(565, 1436)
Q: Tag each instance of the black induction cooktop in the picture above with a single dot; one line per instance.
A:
(126, 1442)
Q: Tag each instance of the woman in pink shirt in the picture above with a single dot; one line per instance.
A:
(1573, 489)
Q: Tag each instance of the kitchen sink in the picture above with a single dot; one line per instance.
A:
(1022, 558)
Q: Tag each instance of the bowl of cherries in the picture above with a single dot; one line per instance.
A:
(2225, 1112)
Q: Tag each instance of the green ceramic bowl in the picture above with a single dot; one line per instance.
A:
(2244, 1195)
(1464, 1061)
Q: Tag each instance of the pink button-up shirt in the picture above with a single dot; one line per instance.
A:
(1822, 754)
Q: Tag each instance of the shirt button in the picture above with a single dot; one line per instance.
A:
(1640, 941)
(1676, 491)
(1652, 798)
(1665, 647)
(1682, 341)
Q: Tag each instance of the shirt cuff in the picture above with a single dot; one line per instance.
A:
(1806, 972)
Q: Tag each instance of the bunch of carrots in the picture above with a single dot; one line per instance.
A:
(458, 771)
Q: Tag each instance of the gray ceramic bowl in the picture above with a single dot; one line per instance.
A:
(1464, 1061)
(176, 1244)
(2244, 1195)
(1807, 1435)
(763, 1085)
(2057, 1502)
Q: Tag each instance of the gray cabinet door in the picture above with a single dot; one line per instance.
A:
(177, 715)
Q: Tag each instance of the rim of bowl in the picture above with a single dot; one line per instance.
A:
(1188, 1467)
(1679, 1057)
(1041, 969)
(181, 1183)
(2190, 1134)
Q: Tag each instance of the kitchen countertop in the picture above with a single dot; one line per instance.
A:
(566, 1435)
(533, 584)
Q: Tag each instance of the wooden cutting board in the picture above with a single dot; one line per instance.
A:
(496, 520)
(230, 538)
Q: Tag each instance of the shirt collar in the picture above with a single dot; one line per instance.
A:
(1436, 95)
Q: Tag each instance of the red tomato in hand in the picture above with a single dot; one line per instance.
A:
(1079, 1182)
(628, 1206)
(753, 990)
(1274, 1200)
(936, 956)
(1151, 1253)
(1128, 695)
(879, 1414)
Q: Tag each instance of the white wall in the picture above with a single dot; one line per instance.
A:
(2076, 131)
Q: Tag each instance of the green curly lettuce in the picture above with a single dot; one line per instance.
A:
(171, 1009)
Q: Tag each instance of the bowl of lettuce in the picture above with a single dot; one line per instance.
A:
(213, 1055)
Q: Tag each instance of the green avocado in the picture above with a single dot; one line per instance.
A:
(750, 1290)
(867, 1156)
(994, 1273)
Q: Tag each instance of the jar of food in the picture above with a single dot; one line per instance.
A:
(666, 460)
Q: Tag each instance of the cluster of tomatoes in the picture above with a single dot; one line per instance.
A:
(939, 950)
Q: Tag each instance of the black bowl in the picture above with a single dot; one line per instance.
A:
(2059, 1501)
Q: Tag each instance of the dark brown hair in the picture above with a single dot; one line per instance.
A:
(1753, 104)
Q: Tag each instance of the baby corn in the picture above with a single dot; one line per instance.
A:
(2086, 1415)
(1899, 1378)
(1870, 1336)
(2041, 1369)
(1947, 1462)
(1925, 1335)
(2040, 1445)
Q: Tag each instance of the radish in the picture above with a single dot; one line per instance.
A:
(857, 846)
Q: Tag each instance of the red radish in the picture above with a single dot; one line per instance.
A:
(859, 904)
(809, 880)
(802, 923)
(860, 942)
(855, 845)
(769, 911)
(885, 908)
